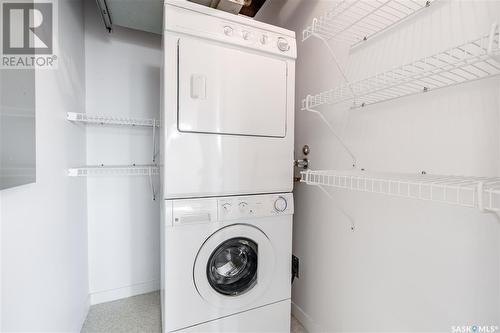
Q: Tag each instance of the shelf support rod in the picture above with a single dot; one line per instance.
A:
(154, 141)
(332, 130)
(335, 60)
(151, 183)
(349, 217)
(492, 52)
(334, 202)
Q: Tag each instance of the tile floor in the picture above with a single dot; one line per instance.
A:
(138, 314)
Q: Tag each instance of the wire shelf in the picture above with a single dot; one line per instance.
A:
(474, 60)
(475, 192)
(130, 170)
(106, 120)
(355, 21)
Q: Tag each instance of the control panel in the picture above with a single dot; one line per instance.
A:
(228, 28)
(255, 206)
(213, 210)
(258, 38)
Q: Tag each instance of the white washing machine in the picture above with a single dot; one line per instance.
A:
(227, 264)
(228, 120)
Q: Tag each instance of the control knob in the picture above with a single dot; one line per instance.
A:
(283, 44)
(226, 207)
(243, 206)
(228, 31)
(280, 204)
(263, 39)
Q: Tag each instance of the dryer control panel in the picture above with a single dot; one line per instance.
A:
(186, 18)
(212, 210)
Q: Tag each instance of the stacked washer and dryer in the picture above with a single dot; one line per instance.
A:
(227, 172)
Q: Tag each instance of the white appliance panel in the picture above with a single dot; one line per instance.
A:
(207, 163)
(210, 165)
(271, 318)
(227, 90)
(184, 305)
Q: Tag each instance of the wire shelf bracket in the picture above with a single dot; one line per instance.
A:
(349, 217)
(335, 60)
(108, 120)
(356, 21)
(474, 60)
(482, 193)
(332, 130)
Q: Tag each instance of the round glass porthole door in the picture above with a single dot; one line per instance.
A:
(232, 266)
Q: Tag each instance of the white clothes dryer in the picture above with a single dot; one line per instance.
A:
(228, 104)
(226, 264)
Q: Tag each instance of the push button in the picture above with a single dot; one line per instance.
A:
(228, 31)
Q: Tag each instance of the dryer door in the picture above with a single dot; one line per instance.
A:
(234, 266)
(229, 90)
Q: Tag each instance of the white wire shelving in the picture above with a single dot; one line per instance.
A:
(355, 21)
(119, 170)
(107, 120)
(473, 60)
(127, 170)
(482, 193)
(118, 121)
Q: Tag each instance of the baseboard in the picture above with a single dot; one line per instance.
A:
(305, 319)
(124, 292)
(86, 308)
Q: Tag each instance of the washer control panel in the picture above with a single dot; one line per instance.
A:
(181, 212)
(255, 206)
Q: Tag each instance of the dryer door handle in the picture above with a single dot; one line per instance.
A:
(198, 86)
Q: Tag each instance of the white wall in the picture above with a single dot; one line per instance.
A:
(44, 283)
(410, 265)
(17, 128)
(123, 79)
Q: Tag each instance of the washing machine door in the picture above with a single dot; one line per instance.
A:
(234, 266)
